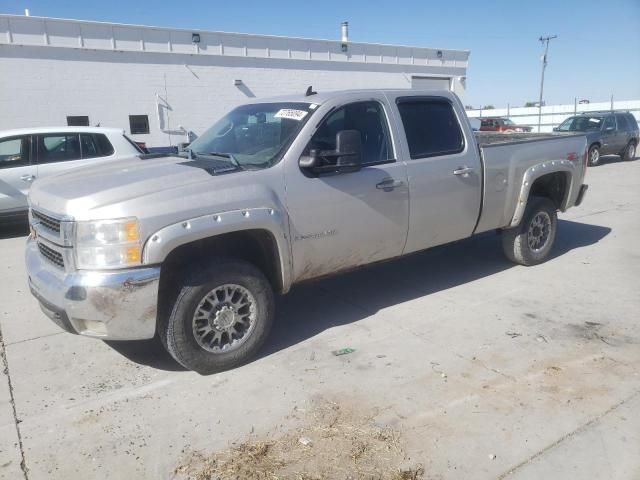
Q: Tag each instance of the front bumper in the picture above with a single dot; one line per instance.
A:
(112, 305)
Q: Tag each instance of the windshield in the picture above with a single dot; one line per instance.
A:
(254, 136)
(508, 121)
(580, 124)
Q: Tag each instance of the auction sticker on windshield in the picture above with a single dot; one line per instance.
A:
(291, 114)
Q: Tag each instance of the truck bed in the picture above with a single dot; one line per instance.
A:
(507, 157)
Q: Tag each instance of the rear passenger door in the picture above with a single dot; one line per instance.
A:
(16, 172)
(611, 138)
(624, 130)
(57, 152)
(443, 169)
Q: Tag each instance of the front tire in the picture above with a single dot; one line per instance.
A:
(594, 155)
(221, 317)
(530, 243)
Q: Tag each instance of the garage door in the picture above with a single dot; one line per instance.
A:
(430, 83)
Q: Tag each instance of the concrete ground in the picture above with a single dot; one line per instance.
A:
(488, 370)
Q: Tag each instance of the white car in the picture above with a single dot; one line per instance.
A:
(31, 153)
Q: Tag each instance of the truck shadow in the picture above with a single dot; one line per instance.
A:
(316, 306)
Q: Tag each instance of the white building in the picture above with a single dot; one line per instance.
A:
(166, 82)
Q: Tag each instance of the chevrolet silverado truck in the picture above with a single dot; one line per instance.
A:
(192, 248)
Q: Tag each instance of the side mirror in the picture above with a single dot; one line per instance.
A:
(349, 149)
(348, 155)
(556, 129)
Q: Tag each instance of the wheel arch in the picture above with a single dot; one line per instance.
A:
(553, 180)
(258, 236)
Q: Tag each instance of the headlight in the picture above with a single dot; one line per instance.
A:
(108, 244)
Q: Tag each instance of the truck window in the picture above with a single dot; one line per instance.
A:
(58, 147)
(431, 127)
(257, 134)
(366, 117)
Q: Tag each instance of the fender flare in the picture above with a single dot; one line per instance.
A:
(534, 173)
(162, 242)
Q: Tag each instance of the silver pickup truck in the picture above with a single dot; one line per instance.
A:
(192, 248)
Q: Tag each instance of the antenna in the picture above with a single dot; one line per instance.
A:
(309, 91)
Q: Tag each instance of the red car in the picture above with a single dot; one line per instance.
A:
(501, 125)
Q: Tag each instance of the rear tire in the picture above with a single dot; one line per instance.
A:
(629, 152)
(530, 243)
(221, 317)
(594, 155)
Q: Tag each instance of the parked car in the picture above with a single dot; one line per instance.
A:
(502, 125)
(608, 133)
(28, 154)
(280, 191)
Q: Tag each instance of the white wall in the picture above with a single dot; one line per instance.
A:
(553, 115)
(51, 69)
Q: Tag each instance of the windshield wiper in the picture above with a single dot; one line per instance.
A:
(230, 156)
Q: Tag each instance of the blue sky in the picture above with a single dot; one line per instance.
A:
(597, 52)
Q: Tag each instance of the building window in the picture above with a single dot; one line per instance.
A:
(78, 121)
(138, 124)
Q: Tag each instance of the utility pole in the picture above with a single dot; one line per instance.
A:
(545, 41)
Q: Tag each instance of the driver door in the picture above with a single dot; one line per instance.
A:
(343, 220)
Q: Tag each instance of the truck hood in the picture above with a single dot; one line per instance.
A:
(136, 186)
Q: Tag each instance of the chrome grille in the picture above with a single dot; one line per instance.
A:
(51, 255)
(50, 223)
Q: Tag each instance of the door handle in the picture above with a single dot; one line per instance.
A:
(389, 184)
(28, 178)
(464, 171)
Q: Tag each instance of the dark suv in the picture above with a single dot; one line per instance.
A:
(608, 133)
